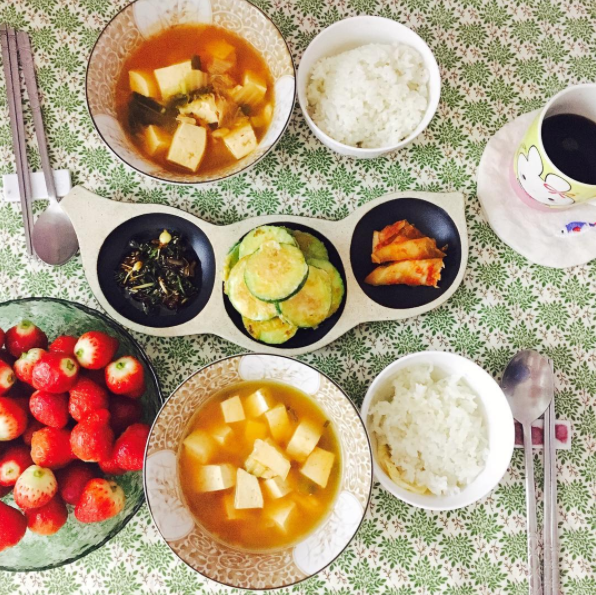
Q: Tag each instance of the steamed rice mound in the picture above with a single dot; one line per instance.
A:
(373, 96)
(431, 432)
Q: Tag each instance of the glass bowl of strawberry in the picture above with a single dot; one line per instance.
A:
(77, 398)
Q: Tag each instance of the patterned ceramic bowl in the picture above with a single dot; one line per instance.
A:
(75, 540)
(198, 548)
(144, 18)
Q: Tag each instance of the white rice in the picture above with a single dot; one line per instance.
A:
(373, 96)
(434, 428)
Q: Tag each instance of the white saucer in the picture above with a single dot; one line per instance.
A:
(536, 234)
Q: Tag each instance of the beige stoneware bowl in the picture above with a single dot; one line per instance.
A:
(198, 548)
(144, 18)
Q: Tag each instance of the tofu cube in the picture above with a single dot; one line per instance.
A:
(241, 140)
(252, 78)
(318, 466)
(188, 146)
(221, 434)
(231, 512)
(171, 80)
(200, 445)
(232, 410)
(303, 441)
(143, 83)
(279, 423)
(156, 139)
(281, 514)
(203, 108)
(276, 487)
(255, 430)
(212, 478)
(266, 454)
(196, 79)
(248, 491)
(257, 403)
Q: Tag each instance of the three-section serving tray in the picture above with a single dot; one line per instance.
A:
(104, 228)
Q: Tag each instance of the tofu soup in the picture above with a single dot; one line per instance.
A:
(195, 98)
(260, 465)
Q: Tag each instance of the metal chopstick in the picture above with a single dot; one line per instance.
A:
(548, 504)
(17, 124)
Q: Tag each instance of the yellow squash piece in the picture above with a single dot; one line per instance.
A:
(201, 446)
(212, 478)
(241, 140)
(232, 410)
(171, 80)
(303, 441)
(156, 139)
(255, 430)
(143, 82)
(188, 146)
(318, 466)
(248, 491)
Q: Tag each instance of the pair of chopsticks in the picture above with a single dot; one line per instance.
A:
(551, 534)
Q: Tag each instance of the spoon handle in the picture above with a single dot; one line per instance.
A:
(533, 558)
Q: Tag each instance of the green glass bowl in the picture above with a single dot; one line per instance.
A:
(75, 540)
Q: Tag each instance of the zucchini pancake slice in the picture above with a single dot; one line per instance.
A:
(274, 332)
(242, 300)
(337, 284)
(254, 239)
(311, 247)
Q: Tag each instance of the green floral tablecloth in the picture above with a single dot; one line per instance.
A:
(499, 59)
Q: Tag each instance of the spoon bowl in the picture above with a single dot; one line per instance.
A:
(54, 237)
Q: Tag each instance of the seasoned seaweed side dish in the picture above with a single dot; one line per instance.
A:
(159, 273)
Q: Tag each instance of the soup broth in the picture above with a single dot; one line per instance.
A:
(228, 446)
(221, 68)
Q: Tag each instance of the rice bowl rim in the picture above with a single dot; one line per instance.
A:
(430, 63)
(501, 435)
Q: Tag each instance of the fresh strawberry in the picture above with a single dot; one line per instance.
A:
(92, 439)
(101, 500)
(4, 490)
(13, 419)
(49, 408)
(32, 427)
(110, 467)
(86, 396)
(7, 378)
(35, 487)
(73, 479)
(13, 462)
(49, 518)
(2, 335)
(137, 394)
(95, 350)
(23, 337)
(50, 447)
(23, 367)
(124, 412)
(98, 376)
(125, 376)
(55, 373)
(64, 344)
(129, 449)
(7, 358)
(13, 525)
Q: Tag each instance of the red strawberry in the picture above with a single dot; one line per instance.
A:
(86, 396)
(2, 334)
(101, 500)
(6, 357)
(7, 378)
(129, 450)
(13, 419)
(63, 344)
(50, 447)
(124, 412)
(49, 408)
(125, 376)
(95, 349)
(14, 461)
(73, 479)
(23, 367)
(137, 394)
(110, 467)
(33, 426)
(55, 373)
(5, 490)
(92, 439)
(35, 487)
(13, 525)
(23, 337)
(49, 518)
(98, 376)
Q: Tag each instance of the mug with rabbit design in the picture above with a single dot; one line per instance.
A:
(544, 180)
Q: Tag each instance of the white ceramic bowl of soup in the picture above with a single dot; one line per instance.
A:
(497, 417)
(174, 507)
(140, 21)
(352, 33)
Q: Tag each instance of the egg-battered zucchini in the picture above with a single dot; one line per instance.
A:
(242, 299)
(338, 289)
(311, 246)
(253, 240)
(273, 332)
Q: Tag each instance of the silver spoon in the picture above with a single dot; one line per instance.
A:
(528, 385)
(54, 237)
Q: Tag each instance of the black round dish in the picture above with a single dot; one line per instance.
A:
(432, 221)
(146, 227)
(308, 336)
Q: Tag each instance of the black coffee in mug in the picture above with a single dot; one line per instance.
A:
(570, 142)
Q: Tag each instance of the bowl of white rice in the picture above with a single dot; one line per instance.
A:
(368, 86)
(441, 430)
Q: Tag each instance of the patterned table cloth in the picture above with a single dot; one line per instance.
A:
(498, 59)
